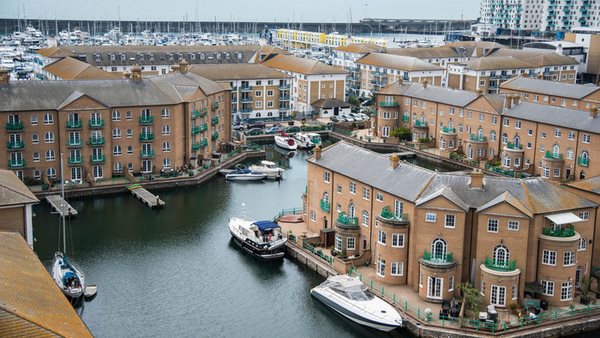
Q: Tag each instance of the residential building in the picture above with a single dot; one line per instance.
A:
(312, 80)
(331, 107)
(571, 49)
(589, 38)
(378, 70)
(69, 68)
(30, 302)
(157, 59)
(110, 128)
(344, 57)
(16, 202)
(574, 96)
(292, 39)
(257, 91)
(431, 231)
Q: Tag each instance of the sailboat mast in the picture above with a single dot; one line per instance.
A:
(62, 191)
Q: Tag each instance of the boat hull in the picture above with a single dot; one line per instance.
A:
(61, 266)
(243, 177)
(267, 255)
(353, 315)
(282, 142)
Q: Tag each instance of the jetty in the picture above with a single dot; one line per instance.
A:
(148, 198)
(61, 206)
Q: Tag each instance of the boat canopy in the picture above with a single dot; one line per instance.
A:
(265, 225)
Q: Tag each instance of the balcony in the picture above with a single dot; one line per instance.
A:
(389, 217)
(195, 130)
(420, 124)
(146, 119)
(16, 164)
(246, 110)
(344, 221)
(284, 87)
(388, 104)
(145, 137)
(284, 97)
(14, 126)
(477, 139)
(75, 142)
(568, 231)
(195, 114)
(437, 260)
(552, 156)
(513, 147)
(75, 160)
(246, 99)
(203, 111)
(147, 153)
(97, 158)
(96, 141)
(325, 205)
(215, 135)
(448, 131)
(75, 124)
(583, 161)
(405, 118)
(96, 123)
(215, 120)
(200, 145)
(214, 105)
(245, 88)
(15, 145)
(504, 266)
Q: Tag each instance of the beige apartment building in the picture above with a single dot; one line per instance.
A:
(312, 80)
(509, 237)
(108, 128)
(344, 57)
(257, 91)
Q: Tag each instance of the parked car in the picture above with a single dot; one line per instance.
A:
(334, 119)
(292, 129)
(347, 118)
(254, 132)
(260, 125)
(365, 117)
(356, 117)
(238, 126)
(274, 129)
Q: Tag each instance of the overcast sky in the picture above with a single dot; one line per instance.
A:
(243, 10)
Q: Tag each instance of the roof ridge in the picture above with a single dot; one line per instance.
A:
(16, 191)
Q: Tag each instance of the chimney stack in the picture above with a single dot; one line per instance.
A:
(183, 66)
(476, 179)
(540, 76)
(400, 82)
(317, 151)
(126, 75)
(593, 112)
(394, 161)
(4, 76)
(425, 83)
(479, 91)
(516, 99)
(175, 67)
(526, 74)
(136, 72)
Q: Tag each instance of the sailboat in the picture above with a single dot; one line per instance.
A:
(67, 275)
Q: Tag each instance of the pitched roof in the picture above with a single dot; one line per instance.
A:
(588, 184)
(553, 115)
(54, 52)
(444, 95)
(13, 191)
(30, 302)
(497, 62)
(399, 62)
(546, 87)
(301, 65)
(446, 193)
(426, 53)
(69, 68)
(508, 198)
(330, 103)
(359, 48)
(536, 58)
(236, 71)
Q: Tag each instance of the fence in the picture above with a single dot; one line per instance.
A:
(310, 247)
(291, 211)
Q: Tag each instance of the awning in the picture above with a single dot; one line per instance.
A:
(564, 218)
(265, 225)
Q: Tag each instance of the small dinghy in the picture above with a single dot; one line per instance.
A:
(90, 292)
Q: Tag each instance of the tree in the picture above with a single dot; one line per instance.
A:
(471, 296)
(402, 134)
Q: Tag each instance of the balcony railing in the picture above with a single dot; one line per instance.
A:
(215, 135)
(75, 124)
(14, 126)
(552, 156)
(203, 111)
(476, 138)
(387, 213)
(583, 161)
(245, 99)
(346, 220)
(75, 142)
(200, 145)
(147, 137)
(147, 153)
(568, 231)
(195, 130)
(15, 145)
(388, 104)
(146, 119)
(96, 123)
(437, 258)
(96, 141)
(215, 120)
(284, 87)
(15, 164)
(513, 146)
(448, 130)
(97, 158)
(214, 105)
(195, 114)
(245, 88)
(325, 205)
(419, 123)
(493, 264)
(405, 118)
(284, 97)
(75, 160)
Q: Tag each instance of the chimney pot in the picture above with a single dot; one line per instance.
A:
(317, 152)
(183, 66)
(593, 112)
(425, 83)
(136, 72)
(4, 76)
(394, 161)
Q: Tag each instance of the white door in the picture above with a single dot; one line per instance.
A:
(434, 288)
(76, 174)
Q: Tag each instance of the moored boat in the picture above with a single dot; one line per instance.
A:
(350, 297)
(268, 168)
(241, 173)
(285, 141)
(303, 141)
(68, 276)
(262, 239)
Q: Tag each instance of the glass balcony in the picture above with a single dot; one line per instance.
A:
(96, 141)
(245, 88)
(583, 161)
(388, 215)
(147, 153)
(75, 160)
(146, 137)
(215, 120)
(97, 123)
(284, 86)
(421, 124)
(146, 119)
(215, 135)
(438, 258)
(97, 159)
(15, 145)
(325, 205)
(388, 104)
(284, 97)
(75, 124)
(14, 126)
(16, 164)
(506, 266)
(245, 99)
(512, 146)
(568, 231)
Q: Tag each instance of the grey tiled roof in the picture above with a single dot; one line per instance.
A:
(527, 84)
(558, 116)
(459, 98)
(13, 191)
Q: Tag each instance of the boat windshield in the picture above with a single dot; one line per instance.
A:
(315, 139)
(355, 292)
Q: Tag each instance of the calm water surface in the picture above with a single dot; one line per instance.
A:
(175, 273)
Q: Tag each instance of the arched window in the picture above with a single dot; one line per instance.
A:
(480, 133)
(51, 172)
(492, 135)
(517, 141)
(582, 244)
(438, 249)
(451, 125)
(166, 130)
(117, 167)
(166, 163)
(504, 138)
(35, 138)
(470, 151)
(166, 146)
(37, 175)
(570, 154)
(165, 113)
(585, 157)
(49, 137)
(116, 115)
(506, 161)
(325, 197)
(48, 118)
(556, 151)
(117, 151)
(50, 155)
(501, 255)
(116, 133)
(351, 210)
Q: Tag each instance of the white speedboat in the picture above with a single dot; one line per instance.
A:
(241, 173)
(68, 276)
(308, 140)
(351, 298)
(285, 141)
(268, 168)
(262, 239)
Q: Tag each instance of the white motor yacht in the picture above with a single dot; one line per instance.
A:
(262, 239)
(350, 297)
(268, 168)
(307, 140)
(285, 141)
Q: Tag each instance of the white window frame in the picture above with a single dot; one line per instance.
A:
(351, 240)
(379, 197)
(397, 269)
(513, 225)
(397, 240)
(490, 223)
(548, 287)
(431, 217)
(450, 216)
(549, 257)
